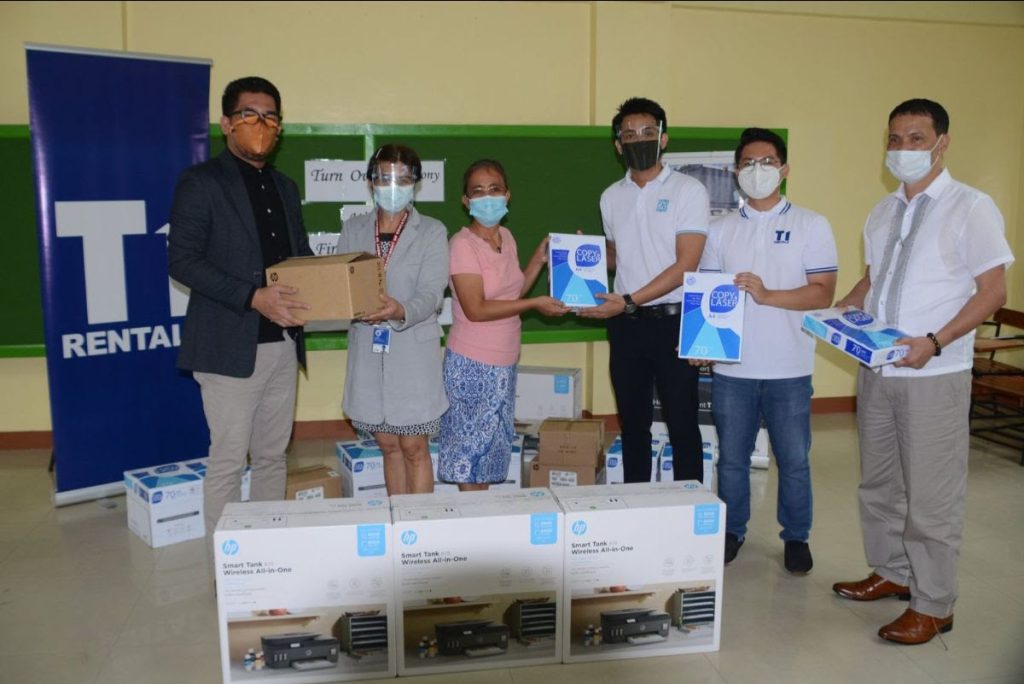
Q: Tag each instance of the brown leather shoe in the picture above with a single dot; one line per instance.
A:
(871, 589)
(915, 628)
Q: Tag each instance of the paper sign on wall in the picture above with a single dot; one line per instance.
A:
(336, 180)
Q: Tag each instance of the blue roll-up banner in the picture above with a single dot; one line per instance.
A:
(111, 132)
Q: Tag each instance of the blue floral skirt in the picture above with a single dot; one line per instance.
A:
(477, 430)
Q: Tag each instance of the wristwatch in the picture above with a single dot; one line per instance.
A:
(630, 304)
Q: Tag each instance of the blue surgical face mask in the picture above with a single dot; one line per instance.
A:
(393, 198)
(488, 211)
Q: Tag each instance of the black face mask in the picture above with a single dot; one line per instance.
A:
(642, 155)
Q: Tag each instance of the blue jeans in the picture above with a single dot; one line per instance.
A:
(738, 405)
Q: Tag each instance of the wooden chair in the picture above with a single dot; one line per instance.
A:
(997, 388)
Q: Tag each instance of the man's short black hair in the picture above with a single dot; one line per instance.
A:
(639, 105)
(752, 135)
(491, 164)
(396, 154)
(249, 84)
(923, 107)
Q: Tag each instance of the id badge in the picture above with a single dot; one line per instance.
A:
(381, 340)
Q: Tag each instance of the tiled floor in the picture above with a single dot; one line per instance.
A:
(83, 600)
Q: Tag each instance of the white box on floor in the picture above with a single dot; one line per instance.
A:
(165, 502)
(643, 570)
(308, 583)
(577, 269)
(543, 392)
(712, 322)
(478, 580)
(759, 457)
(361, 464)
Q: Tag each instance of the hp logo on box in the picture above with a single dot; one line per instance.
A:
(579, 528)
(230, 547)
(409, 537)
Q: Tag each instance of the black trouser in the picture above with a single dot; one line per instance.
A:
(643, 355)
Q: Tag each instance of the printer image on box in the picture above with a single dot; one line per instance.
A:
(634, 625)
(299, 650)
(472, 637)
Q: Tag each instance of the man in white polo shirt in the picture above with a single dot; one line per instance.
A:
(936, 258)
(656, 222)
(784, 257)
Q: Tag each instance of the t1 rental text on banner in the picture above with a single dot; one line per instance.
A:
(110, 133)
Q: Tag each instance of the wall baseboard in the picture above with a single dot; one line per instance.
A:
(342, 429)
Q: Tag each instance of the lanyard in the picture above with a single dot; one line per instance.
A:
(394, 238)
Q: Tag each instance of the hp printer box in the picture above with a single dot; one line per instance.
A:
(165, 502)
(857, 334)
(643, 570)
(543, 392)
(712, 322)
(578, 268)
(308, 584)
(478, 580)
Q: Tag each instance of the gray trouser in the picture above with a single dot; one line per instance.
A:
(914, 443)
(249, 415)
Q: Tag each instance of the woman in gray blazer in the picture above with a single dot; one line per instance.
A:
(393, 385)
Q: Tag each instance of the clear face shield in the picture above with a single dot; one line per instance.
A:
(641, 147)
(394, 185)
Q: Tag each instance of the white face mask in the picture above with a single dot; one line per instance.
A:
(758, 182)
(911, 166)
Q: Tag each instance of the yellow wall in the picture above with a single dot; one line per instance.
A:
(829, 72)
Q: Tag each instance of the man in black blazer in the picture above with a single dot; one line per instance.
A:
(233, 216)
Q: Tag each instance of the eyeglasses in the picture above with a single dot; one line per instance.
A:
(628, 135)
(479, 191)
(749, 163)
(392, 179)
(251, 117)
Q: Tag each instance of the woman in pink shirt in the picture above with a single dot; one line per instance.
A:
(488, 289)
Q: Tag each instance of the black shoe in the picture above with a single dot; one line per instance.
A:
(798, 557)
(732, 547)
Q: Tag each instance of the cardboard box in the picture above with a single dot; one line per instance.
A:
(322, 567)
(643, 570)
(571, 442)
(477, 574)
(857, 334)
(165, 502)
(543, 392)
(314, 482)
(577, 268)
(712, 322)
(336, 287)
(547, 475)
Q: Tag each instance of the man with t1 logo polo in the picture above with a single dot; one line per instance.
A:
(784, 257)
(656, 221)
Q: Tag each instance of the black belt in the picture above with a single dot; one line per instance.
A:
(657, 311)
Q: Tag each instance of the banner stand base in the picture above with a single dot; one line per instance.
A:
(84, 494)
